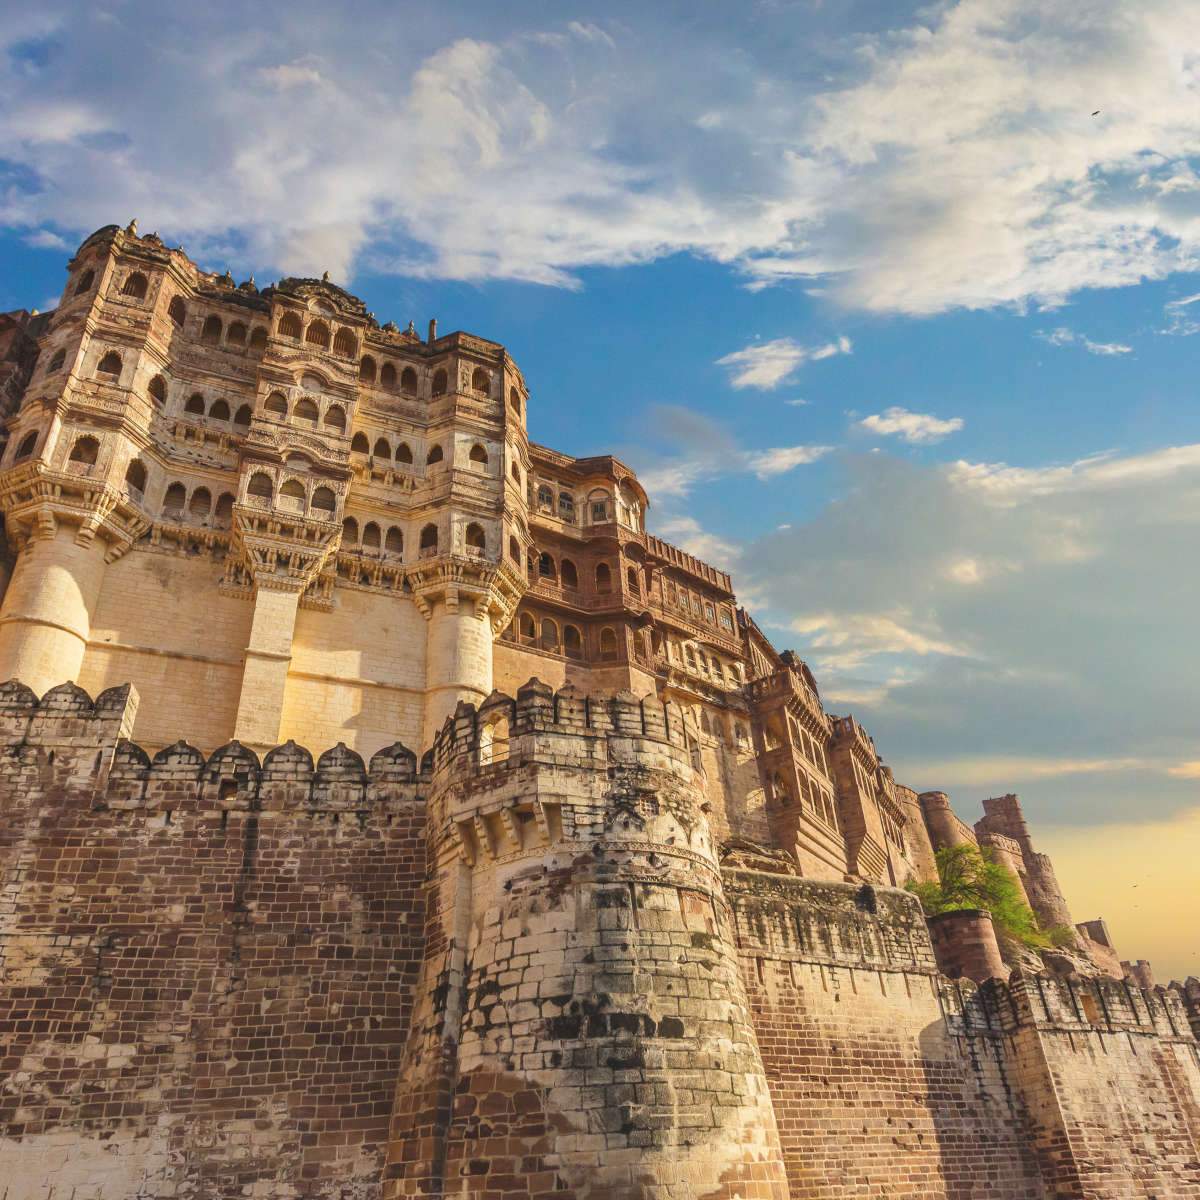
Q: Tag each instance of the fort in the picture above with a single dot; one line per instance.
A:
(385, 812)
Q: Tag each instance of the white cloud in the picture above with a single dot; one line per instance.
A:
(917, 428)
(766, 365)
(767, 463)
(1062, 336)
(47, 239)
(951, 160)
(1181, 317)
(687, 533)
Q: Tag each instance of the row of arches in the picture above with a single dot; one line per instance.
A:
(564, 573)
(214, 333)
(318, 333)
(374, 539)
(197, 507)
(306, 412)
(217, 412)
(383, 452)
(293, 496)
(546, 635)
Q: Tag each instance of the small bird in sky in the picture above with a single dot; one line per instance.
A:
(1096, 113)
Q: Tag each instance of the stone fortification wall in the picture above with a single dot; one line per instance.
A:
(525, 969)
(582, 1029)
(206, 965)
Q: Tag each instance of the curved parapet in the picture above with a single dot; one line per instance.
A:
(581, 985)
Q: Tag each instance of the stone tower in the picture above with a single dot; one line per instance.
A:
(581, 1028)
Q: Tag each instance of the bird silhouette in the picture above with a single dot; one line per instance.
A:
(1096, 113)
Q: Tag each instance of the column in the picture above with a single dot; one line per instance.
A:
(47, 612)
(268, 656)
(458, 661)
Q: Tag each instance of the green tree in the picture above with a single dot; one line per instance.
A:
(969, 877)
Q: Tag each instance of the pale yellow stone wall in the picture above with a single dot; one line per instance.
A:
(161, 622)
(357, 674)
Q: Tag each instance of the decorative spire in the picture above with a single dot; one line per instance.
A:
(131, 228)
(324, 276)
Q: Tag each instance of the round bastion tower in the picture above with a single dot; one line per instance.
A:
(581, 1028)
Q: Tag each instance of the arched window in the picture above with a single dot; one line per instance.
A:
(345, 343)
(177, 310)
(572, 642)
(306, 412)
(158, 389)
(635, 585)
(514, 400)
(110, 364)
(480, 381)
(359, 444)
(783, 796)
(370, 536)
(241, 419)
(219, 411)
(549, 635)
(349, 531)
(570, 577)
(439, 383)
(335, 418)
(211, 332)
(394, 542)
(608, 645)
(566, 507)
(514, 549)
(493, 741)
(366, 369)
(515, 471)
(195, 405)
(291, 496)
(600, 507)
(26, 448)
(689, 653)
(478, 456)
(174, 501)
(86, 450)
(545, 499)
(289, 325)
(408, 381)
(323, 501)
(429, 541)
(135, 286)
(434, 456)
(404, 453)
(260, 488)
(475, 538)
(546, 566)
(277, 405)
(317, 334)
(528, 628)
(200, 504)
(603, 577)
(56, 362)
(387, 377)
(258, 337)
(382, 448)
(223, 517)
(236, 335)
(85, 282)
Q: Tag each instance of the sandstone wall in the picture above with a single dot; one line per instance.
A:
(206, 966)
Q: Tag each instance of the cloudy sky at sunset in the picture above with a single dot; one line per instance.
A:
(894, 309)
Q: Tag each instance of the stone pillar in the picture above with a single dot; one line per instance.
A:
(458, 658)
(47, 611)
(964, 943)
(268, 656)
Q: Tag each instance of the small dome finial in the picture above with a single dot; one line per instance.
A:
(324, 276)
(131, 228)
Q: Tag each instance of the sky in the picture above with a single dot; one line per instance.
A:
(894, 310)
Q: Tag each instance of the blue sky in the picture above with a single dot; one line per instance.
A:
(894, 324)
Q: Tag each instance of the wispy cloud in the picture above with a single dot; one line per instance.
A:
(1062, 336)
(767, 365)
(1182, 319)
(779, 459)
(916, 428)
(47, 239)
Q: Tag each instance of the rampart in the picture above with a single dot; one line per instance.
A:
(520, 968)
